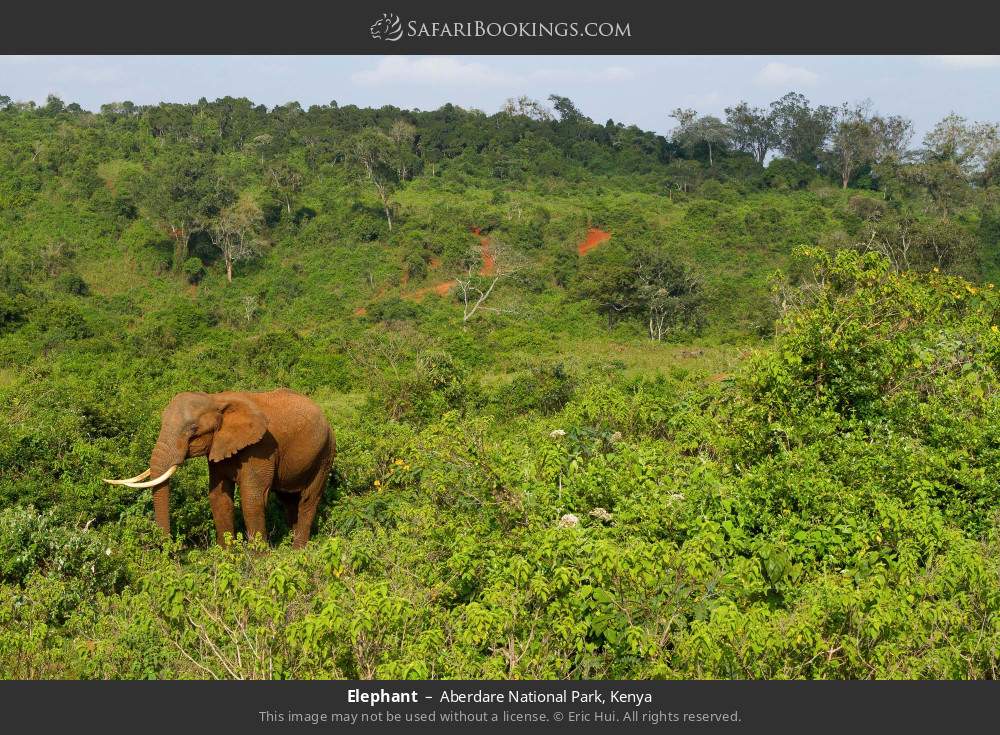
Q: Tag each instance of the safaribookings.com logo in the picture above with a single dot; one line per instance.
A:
(390, 28)
(387, 28)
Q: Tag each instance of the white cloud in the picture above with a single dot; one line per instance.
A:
(448, 70)
(616, 74)
(67, 70)
(598, 76)
(706, 99)
(86, 74)
(776, 74)
(431, 70)
(968, 62)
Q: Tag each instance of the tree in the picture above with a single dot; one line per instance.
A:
(286, 181)
(892, 140)
(573, 125)
(693, 131)
(944, 182)
(181, 193)
(605, 277)
(480, 281)
(261, 144)
(684, 174)
(991, 175)
(53, 106)
(860, 137)
(909, 243)
(753, 130)
(802, 131)
(644, 282)
(236, 232)
(524, 106)
(119, 109)
(373, 151)
(403, 135)
(667, 293)
(970, 146)
(566, 109)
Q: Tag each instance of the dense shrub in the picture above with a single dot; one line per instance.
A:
(393, 309)
(193, 270)
(545, 388)
(784, 173)
(73, 283)
(63, 320)
(12, 312)
(805, 488)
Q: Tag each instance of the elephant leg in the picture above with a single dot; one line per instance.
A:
(290, 503)
(220, 498)
(308, 502)
(255, 484)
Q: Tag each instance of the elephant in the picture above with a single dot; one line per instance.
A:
(278, 440)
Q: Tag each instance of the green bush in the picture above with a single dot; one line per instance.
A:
(415, 265)
(545, 388)
(784, 173)
(63, 320)
(35, 545)
(73, 284)
(12, 312)
(193, 270)
(393, 309)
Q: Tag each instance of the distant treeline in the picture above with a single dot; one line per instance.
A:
(852, 144)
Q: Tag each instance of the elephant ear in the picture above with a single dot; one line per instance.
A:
(242, 424)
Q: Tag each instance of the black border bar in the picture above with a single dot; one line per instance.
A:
(334, 27)
(772, 707)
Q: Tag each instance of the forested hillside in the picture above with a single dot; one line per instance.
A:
(722, 403)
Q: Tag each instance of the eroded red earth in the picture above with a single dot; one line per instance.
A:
(595, 238)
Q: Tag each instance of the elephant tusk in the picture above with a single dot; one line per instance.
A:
(154, 482)
(137, 478)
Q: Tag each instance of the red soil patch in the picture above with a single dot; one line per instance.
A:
(594, 238)
(441, 289)
(489, 262)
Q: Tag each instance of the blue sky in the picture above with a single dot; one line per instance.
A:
(629, 89)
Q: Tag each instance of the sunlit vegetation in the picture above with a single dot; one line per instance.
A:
(608, 404)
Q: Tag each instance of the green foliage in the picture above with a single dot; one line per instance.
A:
(784, 173)
(545, 388)
(640, 280)
(393, 309)
(193, 270)
(804, 488)
(73, 284)
(63, 320)
(415, 265)
(12, 312)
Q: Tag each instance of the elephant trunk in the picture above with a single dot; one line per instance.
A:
(166, 456)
